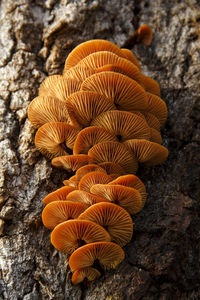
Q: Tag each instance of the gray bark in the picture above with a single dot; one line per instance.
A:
(162, 261)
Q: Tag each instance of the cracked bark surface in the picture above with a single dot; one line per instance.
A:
(162, 261)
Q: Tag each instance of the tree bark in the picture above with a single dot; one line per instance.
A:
(162, 260)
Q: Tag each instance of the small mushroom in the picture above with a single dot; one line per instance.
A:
(60, 211)
(150, 85)
(124, 125)
(157, 107)
(73, 234)
(59, 87)
(44, 109)
(133, 181)
(114, 152)
(125, 92)
(113, 218)
(100, 255)
(148, 153)
(130, 56)
(86, 48)
(55, 138)
(90, 136)
(144, 35)
(83, 274)
(88, 180)
(85, 197)
(87, 169)
(71, 162)
(84, 106)
(59, 194)
(128, 198)
(99, 59)
(79, 72)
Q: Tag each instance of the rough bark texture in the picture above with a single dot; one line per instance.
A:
(162, 261)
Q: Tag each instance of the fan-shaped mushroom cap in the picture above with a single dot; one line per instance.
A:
(84, 106)
(71, 162)
(60, 211)
(99, 59)
(144, 35)
(86, 48)
(148, 153)
(73, 183)
(133, 181)
(79, 72)
(114, 152)
(151, 120)
(111, 168)
(125, 92)
(130, 56)
(113, 218)
(124, 125)
(157, 107)
(91, 136)
(128, 198)
(87, 169)
(107, 254)
(88, 180)
(73, 234)
(85, 273)
(43, 109)
(59, 194)
(150, 85)
(55, 138)
(155, 136)
(85, 197)
(59, 87)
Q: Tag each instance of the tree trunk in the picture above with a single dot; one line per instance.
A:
(162, 258)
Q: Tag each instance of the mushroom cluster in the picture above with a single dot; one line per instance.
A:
(98, 121)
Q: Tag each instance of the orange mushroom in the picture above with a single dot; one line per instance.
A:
(130, 56)
(59, 87)
(148, 153)
(150, 85)
(114, 152)
(55, 138)
(91, 136)
(71, 162)
(88, 180)
(84, 106)
(43, 109)
(59, 194)
(157, 107)
(128, 198)
(124, 125)
(99, 59)
(106, 255)
(57, 212)
(85, 197)
(83, 274)
(133, 181)
(86, 48)
(125, 92)
(144, 35)
(87, 169)
(113, 218)
(73, 234)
